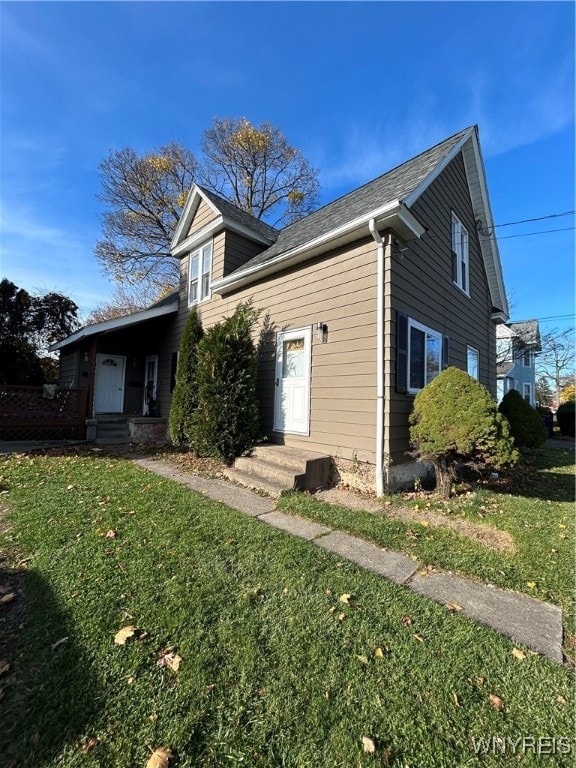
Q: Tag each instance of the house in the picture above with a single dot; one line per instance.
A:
(363, 302)
(517, 345)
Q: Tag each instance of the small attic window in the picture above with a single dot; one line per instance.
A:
(199, 270)
(460, 258)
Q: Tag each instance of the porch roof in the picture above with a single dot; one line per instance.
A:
(165, 307)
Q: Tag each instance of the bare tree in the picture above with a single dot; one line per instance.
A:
(128, 299)
(256, 169)
(145, 196)
(557, 359)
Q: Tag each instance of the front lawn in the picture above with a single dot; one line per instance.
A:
(277, 669)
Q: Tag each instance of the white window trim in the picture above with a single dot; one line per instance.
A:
(529, 363)
(524, 385)
(475, 351)
(415, 324)
(457, 230)
(200, 253)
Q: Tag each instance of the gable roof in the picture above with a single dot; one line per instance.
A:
(528, 331)
(385, 201)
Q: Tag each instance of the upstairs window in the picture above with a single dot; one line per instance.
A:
(460, 260)
(527, 358)
(199, 268)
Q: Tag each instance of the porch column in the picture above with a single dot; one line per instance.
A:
(91, 378)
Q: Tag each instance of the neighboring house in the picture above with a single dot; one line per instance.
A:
(517, 345)
(363, 302)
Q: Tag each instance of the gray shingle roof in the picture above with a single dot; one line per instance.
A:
(528, 331)
(230, 211)
(169, 299)
(396, 184)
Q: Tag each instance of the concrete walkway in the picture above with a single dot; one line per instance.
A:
(529, 622)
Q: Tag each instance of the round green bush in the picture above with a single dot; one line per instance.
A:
(525, 423)
(456, 421)
(566, 415)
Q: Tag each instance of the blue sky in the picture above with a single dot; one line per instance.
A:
(358, 87)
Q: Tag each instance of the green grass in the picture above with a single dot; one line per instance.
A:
(271, 675)
(535, 505)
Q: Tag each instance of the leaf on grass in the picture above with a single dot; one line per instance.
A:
(419, 638)
(368, 745)
(363, 659)
(424, 523)
(496, 702)
(4, 666)
(131, 680)
(379, 653)
(531, 584)
(406, 620)
(111, 534)
(560, 699)
(125, 634)
(7, 598)
(332, 609)
(454, 607)
(341, 616)
(520, 655)
(159, 758)
(455, 697)
(169, 659)
(90, 744)
(345, 598)
(59, 642)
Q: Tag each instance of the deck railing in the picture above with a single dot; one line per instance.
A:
(32, 413)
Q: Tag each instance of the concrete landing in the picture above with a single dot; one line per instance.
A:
(527, 621)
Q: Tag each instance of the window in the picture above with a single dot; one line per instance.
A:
(527, 393)
(424, 355)
(527, 359)
(460, 262)
(473, 362)
(199, 266)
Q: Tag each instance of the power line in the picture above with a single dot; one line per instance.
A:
(529, 234)
(538, 218)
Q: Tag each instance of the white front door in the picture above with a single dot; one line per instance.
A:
(109, 384)
(292, 398)
(150, 385)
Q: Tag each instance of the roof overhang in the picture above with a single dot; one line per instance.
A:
(116, 324)
(394, 215)
(181, 244)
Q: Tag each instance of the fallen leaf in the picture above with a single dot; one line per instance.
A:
(7, 598)
(453, 607)
(131, 680)
(159, 758)
(345, 598)
(419, 637)
(331, 610)
(480, 680)
(520, 655)
(496, 702)
(560, 699)
(424, 523)
(379, 653)
(4, 666)
(455, 697)
(368, 745)
(531, 584)
(90, 744)
(341, 616)
(125, 634)
(171, 660)
(59, 642)
(111, 534)
(406, 620)
(363, 659)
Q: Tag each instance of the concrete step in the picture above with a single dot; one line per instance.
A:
(257, 482)
(255, 465)
(288, 457)
(113, 434)
(105, 440)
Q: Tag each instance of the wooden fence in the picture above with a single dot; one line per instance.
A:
(27, 414)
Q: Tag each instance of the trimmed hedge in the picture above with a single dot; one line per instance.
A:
(566, 415)
(525, 423)
(185, 395)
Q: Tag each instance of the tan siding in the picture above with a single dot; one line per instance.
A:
(338, 289)
(203, 216)
(422, 288)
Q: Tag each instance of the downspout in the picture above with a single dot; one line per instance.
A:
(379, 358)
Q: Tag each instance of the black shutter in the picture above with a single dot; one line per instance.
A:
(445, 352)
(401, 352)
(173, 368)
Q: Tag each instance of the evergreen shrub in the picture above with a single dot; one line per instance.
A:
(566, 415)
(185, 395)
(525, 423)
(455, 422)
(226, 422)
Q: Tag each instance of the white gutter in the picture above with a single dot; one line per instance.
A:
(379, 358)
